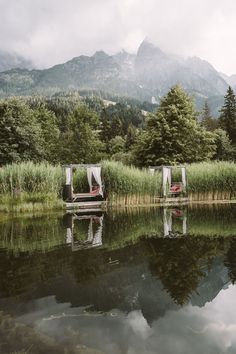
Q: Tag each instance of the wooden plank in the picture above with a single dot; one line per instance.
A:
(87, 205)
(73, 165)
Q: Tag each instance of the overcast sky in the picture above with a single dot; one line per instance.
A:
(53, 31)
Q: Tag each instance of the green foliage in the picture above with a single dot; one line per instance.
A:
(173, 135)
(117, 145)
(228, 115)
(28, 186)
(121, 180)
(49, 132)
(42, 183)
(130, 136)
(20, 133)
(120, 120)
(80, 143)
(212, 177)
(126, 158)
(224, 149)
(208, 122)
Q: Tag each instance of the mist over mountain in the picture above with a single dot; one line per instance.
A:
(11, 60)
(230, 79)
(148, 75)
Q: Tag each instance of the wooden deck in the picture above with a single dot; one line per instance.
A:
(87, 206)
(173, 200)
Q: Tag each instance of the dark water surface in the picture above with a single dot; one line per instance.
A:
(127, 282)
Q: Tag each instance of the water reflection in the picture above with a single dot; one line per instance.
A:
(94, 232)
(155, 272)
(168, 215)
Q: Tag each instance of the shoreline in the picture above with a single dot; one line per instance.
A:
(60, 206)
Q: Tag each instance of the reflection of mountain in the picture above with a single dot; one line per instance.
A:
(134, 270)
(215, 280)
(154, 275)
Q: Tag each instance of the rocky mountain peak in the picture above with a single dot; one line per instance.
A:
(148, 50)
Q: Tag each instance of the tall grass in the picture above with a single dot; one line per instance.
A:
(212, 181)
(29, 184)
(123, 184)
(206, 181)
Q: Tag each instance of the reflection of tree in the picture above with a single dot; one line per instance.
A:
(177, 262)
(230, 260)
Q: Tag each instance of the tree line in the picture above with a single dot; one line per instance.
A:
(71, 128)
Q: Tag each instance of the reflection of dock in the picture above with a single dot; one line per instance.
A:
(94, 234)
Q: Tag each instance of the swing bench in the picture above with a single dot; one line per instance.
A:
(171, 188)
(95, 195)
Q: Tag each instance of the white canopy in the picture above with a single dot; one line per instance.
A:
(184, 180)
(166, 179)
(95, 172)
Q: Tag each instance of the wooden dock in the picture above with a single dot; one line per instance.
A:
(90, 206)
(175, 200)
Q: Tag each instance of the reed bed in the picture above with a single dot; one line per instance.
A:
(212, 181)
(30, 186)
(124, 185)
(131, 186)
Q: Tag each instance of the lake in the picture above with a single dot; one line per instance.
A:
(132, 281)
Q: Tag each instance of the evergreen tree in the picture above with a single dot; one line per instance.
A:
(131, 136)
(172, 134)
(208, 121)
(228, 115)
(105, 133)
(224, 149)
(116, 127)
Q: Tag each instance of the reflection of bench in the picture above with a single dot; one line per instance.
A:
(94, 236)
(176, 188)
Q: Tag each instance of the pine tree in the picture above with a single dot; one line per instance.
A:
(228, 115)
(224, 149)
(208, 121)
(131, 136)
(173, 134)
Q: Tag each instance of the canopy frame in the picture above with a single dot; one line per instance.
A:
(168, 186)
(93, 172)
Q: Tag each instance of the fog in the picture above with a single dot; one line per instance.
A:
(53, 31)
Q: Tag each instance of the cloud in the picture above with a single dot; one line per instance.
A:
(53, 31)
(210, 329)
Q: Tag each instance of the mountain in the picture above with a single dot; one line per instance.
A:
(9, 61)
(159, 71)
(147, 75)
(231, 80)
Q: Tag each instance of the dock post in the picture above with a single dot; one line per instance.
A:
(68, 189)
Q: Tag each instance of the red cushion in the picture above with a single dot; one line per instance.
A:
(95, 190)
(176, 188)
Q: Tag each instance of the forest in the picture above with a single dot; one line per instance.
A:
(82, 127)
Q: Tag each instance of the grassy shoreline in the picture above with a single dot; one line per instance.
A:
(29, 187)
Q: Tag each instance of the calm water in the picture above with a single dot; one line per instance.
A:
(131, 282)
